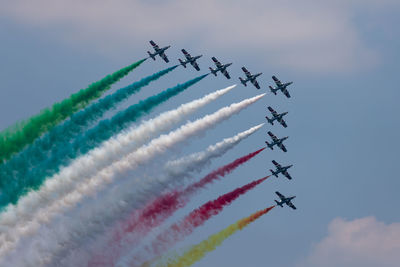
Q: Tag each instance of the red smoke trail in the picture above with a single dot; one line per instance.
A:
(224, 170)
(141, 222)
(196, 218)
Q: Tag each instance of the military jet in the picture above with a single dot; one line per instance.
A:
(280, 169)
(280, 86)
(250, 78)
(220, 67)
(158, 51)
(190, 59)
(277, 117)
(285, 200)
(276, 141)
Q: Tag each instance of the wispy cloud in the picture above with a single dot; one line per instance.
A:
(362, 242)
(297, 35)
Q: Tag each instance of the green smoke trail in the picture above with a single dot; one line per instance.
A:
(20, 164)
(15, 138)
(13, 189)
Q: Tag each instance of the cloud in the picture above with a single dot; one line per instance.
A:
(297, 35)
(362, 242)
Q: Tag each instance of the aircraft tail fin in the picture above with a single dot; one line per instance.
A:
(182, 63)
(278, 203)
(151, 55)
(242, 81)
(273, 173)
(269, 145)
(272, 89)
(269, 120)
(213, 71)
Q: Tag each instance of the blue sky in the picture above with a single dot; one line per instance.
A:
(343, 125)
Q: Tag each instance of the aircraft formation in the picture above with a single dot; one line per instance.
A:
(252, 78)
(96, 154)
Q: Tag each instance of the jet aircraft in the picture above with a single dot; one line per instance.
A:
(280, 86)
(220, 67)
(158, 51)
(276, 141)
(190, 59)
(280, 169)
(285, 200)
(250, 78)
(277, 117)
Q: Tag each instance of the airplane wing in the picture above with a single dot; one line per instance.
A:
(273, 111)
(282, 146)
(287, 175)
(225, 72)
(187, 55)
(154, 45)
(276, 164)
(283, 122)
(290, 204)
(286, 93)
(273, 136)
(194, 64)
(255, 83)
(163, 56)
(277, 81)
(280, 195)
(217, 63)
(246, 72)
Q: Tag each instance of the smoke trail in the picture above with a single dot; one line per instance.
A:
(140, 222)
(197, 217)
(36, 202)
(16, 137)
(55, 236)
(14, 188)
(197, 252)
(221, 172)
(19, 166)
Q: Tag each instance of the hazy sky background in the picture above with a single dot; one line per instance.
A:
(343, 115)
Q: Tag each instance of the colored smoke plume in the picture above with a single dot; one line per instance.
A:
(15, 138)
(197, 252)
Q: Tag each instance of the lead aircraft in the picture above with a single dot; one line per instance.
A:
(158, 51)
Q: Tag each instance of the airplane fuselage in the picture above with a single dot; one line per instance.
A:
(192, 59)
(283, 169)
(221, 68)
(276, 118)
(280, 141)
(280, 170)
(251, 78)
(283, 86)
(160, 50)
(285, 201)
(276, 143)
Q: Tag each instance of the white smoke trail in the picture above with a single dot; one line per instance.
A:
(144, 191)
(51, 237)
(175, 173)
(13, 221)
